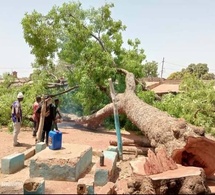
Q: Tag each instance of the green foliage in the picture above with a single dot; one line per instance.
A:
(124, 122)
(40, 34)
(109, 123)
(10, 127)
(90, 44)
(197, 69)
(147, 96)
(176, 76)
(171, 104)
(150, 69)
(196, 104)
(130, 126)
(200, 71)
(9, 95)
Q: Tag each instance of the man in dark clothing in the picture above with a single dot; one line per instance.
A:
(57, 114)
(49, 118)
(36, 116)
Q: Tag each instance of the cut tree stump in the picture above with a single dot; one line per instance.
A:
(183, 180)
(198, 152)
(159, 174)
(194, 182)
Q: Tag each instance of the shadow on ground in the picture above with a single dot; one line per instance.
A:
(69, 125)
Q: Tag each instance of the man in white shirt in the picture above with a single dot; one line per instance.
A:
(16, 115)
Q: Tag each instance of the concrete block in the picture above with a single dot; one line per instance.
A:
(29, 153)
(104, 174)
(85, 185)
(101, 177)
(66, 164)
(109, 188)
(113, 149)
(113, 157)
(34, 186)
(40, 146)
(12, 163)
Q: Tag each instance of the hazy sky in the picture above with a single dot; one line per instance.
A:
(181, 31)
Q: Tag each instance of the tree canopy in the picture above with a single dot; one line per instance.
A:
(150, 69)
(200, 70)
(89, 43)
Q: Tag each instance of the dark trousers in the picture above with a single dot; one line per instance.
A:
(45, 133)
(36, 126)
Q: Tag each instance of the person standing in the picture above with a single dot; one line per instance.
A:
(49, 118)
(36, 116)
(57, 114)
(16, 116)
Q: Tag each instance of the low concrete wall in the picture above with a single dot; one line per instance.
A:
(12, 163)
(40, 146)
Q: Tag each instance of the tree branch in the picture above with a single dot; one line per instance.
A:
(91, 34)
(66, 91)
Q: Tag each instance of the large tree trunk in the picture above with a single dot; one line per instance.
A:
(157, 126)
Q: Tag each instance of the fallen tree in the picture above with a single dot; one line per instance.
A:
(159, 127)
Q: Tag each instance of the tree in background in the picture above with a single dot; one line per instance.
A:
(150, 69)
(9, 89)
(200, 70)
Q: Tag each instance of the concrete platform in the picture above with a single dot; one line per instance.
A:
(66, 164)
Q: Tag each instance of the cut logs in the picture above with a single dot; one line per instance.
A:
(143, 143)
(136, 150)
(137, 147)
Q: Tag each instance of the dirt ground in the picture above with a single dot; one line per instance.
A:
(98, 139)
